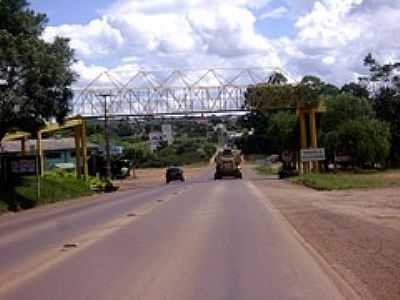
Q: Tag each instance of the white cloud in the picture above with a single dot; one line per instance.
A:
(122, 7)
(330, 37)
(228, 31)
(95, 39)
(274, 14)
(328, 25)
(171, 33)
(334, 36)
(87, 73)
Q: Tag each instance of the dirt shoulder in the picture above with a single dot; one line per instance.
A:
(356, 231)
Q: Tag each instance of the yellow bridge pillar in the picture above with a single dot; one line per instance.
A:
(309, 133)
(303, 139)
(81, 157)
(314, 137)
(78, 151)
(84, 149)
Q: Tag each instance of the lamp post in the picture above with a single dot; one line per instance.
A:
(107, 135)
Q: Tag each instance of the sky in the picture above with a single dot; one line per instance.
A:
(326, 38)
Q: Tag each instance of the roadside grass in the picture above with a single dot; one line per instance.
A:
(3, 207)
(253, 158)
(267, 170)
(55, 187)
(342, 181)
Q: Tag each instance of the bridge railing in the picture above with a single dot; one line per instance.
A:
(175, 92)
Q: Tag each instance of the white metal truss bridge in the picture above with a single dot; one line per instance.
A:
(169, 92)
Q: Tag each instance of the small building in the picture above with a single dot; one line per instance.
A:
(168, 133)
(57, 152)
(156, 138)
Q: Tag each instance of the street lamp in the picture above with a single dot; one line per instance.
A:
(107, 135)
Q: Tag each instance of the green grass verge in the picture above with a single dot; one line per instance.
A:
(267, 170)
(54, 187)
(342, 181)
(3, 207)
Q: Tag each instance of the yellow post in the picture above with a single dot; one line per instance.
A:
(314, 136)
(84, 150)
(313, 129)
(303, 138)
(78, 151)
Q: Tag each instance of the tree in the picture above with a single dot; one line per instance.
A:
(277, 78)
(254, 120)
(345, 107)
(386, 73)
(35, 75)
(319, 87)
(367, 141)
(350, 127)
(277, 94)
(137, 154)
(386, 99)
(281, 132)
(387, 106)
(356, 90)
(266, 98)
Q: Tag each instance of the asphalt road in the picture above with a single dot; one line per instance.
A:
(200, 240)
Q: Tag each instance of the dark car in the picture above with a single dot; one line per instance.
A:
(173, 174)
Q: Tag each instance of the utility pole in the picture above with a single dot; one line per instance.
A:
(107, 135)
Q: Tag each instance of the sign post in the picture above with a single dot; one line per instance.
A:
(27, 166)
(312, 155)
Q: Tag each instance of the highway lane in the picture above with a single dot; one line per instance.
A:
(206, 240)
(26, 236)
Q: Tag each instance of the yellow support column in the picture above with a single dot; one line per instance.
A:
(314, 137)
(313, 129)
(78, 151)
(84, 150)
(303, 138)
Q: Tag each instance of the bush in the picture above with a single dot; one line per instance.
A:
(287, 172)
(57, 186)
(367, 141)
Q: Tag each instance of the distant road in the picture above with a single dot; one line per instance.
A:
(202, 240)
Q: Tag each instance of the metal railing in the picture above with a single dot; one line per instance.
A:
(170, 92)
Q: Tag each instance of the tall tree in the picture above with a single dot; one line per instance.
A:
(277, 78)
(345, 107)
(386, 99)
(356, 90)
(35, 76)
(282, 133)
(319, 86)
(387, 74)
(350, 127)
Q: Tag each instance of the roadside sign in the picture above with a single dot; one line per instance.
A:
(23, 165)
(316, 154)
